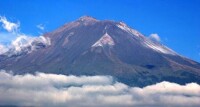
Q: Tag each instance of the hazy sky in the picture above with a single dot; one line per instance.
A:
(177, 22)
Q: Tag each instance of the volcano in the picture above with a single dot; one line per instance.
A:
(88, 46)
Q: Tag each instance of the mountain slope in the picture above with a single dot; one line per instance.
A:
(91, 47)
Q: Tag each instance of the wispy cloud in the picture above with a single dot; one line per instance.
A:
(54, 90)
(9, 26)
(155, 37)
(17, 42)
(40, 26)
(11, 30)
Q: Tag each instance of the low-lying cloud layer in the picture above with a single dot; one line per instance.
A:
(91, 91)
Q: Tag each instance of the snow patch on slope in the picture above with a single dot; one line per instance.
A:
(124, 27)
(158, 47)
(104, 40)
(147, 42)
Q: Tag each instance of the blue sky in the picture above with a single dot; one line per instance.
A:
(177, 22)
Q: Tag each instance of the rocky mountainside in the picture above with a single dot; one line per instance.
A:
(89, 46)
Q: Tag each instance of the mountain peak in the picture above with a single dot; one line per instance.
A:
(92, 47)
(87, 18)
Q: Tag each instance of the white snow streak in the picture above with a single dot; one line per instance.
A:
(146, 41)
(124, 27)
(104, 40)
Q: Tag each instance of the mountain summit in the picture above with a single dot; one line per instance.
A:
(87, 18)
(89, 46)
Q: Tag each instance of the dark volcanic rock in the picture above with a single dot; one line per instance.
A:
(91, 47)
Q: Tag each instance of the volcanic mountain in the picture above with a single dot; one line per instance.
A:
(89, 46)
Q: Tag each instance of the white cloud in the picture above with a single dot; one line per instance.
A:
(17, 42)
(40, 26)
(3, 49)
(54, 90)
(29, 42)
(9, 26)
(155, 37)
(24, 43)
(6, 37)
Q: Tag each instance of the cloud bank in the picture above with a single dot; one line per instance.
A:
(52, 90)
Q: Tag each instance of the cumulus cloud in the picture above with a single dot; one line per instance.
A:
(155, 37)
(40, 26)
(17, 42)
(30, 43)
(55, 90)
(9, 26)
(24, 44)
(3, 49)
(6, 37)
